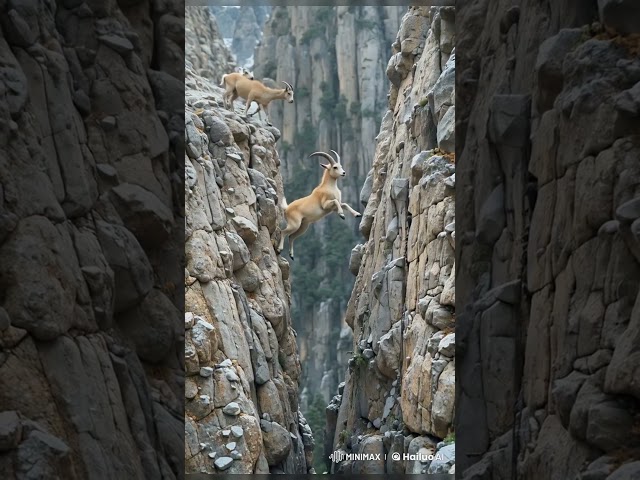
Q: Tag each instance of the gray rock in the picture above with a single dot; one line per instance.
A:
(246, 229)
(509, 120)
(446, 133)
(117, 43)
(132, 270)
(10, 430)
(370, 445)
(151, 326)
(18, 31)
(417, 165)
(621, 15)
(220, 132)
(367, 186)
(629, 211)
(491, 220)
(5, 322)
(231, 376)
(265, 425)
(249, 277)
(628, 471)
(223, 463)
(277, 443)
(237, 431)
(232, 408)
(444, 460)
(44, 453)
(398, 68)
(608, 425)
(239, 249)
(447, 345)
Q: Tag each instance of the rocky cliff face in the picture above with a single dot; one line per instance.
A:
(398, 396)
(204, 47)
(241, 28)
(548, 249)
(241, 356)
(90, 240)
(335, 57)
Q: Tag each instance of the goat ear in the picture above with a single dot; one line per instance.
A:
(324, 165)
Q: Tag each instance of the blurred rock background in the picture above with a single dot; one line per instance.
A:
(547, 255)
(91, 240)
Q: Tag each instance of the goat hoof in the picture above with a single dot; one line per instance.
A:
(291, 257)
(342, 215)
(358, 215)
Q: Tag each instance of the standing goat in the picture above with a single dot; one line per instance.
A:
(255, 91)
(229, 81)
(324, 199)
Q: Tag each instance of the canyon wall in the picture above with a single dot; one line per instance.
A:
(204, 47)
(91, 214)
(242, 28)
(241, 358)
(548, 247)
(398, 395)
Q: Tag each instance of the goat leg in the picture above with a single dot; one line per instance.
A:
(247, 106)
(292, 226)
(333, 205)
(351, 210)
(257, 110)
(304, 225)
(266, 114)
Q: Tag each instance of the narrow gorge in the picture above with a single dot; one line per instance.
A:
(270, 341)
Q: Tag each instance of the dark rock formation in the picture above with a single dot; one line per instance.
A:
(548, 264)
(91, 242)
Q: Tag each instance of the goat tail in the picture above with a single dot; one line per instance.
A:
(222, 81)
(283, 203)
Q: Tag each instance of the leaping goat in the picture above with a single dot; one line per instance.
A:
(324, 199)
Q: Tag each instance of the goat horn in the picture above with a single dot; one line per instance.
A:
(325, 155)
(288, 86)
(336, 154)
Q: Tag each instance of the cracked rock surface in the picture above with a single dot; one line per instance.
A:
(548, 289)
(91, 212)
(241, 356)
(398, 394)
